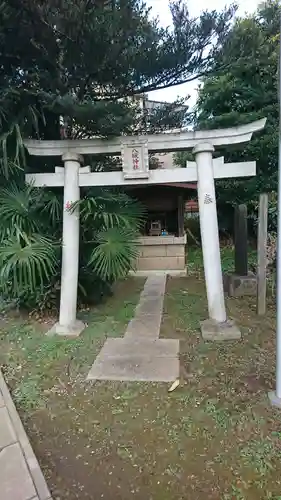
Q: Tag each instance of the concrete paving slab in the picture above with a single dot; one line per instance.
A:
(37, 498)
(153, 292)
(149, 306)
(140, 355)
(124, 347)
(154, 286)
(147, 325)
(14, 465)
(135, 369)
(148, 313)
(15, 480)
(7, 433)
(2, 402)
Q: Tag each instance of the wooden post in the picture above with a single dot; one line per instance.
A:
(262, 257)
(180, 215)
(241, 241)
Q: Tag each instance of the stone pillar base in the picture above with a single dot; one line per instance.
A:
(72, 330)
(212, 330)
(274, 400)
(238, 286)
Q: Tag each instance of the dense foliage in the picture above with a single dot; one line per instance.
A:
(77, 62)
(246, 91)
(30, 262)
(75, 69)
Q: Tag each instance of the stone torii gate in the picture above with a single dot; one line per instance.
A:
(134, 151)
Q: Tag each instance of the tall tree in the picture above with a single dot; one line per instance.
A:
(246, 91)
(83, 59)
(73, 69)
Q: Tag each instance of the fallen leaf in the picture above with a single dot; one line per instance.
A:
(174, 385)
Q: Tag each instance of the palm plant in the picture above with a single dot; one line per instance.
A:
(27, 209)
(26, 262)
(30, 262)
(27, 258)
(115, 253)
(111, 222)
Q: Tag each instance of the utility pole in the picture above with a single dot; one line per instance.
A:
(275, 397)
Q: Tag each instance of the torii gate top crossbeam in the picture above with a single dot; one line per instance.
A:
(155, 143)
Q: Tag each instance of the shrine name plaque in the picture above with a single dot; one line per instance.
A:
(135, 162)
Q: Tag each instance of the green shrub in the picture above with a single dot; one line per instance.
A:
(30, 244)
(192, 229)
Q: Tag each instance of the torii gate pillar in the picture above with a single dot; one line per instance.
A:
(68, 324)
(216, 327)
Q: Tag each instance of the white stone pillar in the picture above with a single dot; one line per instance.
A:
(68, 324)
(210, 232)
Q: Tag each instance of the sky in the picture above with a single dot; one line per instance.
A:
(160, 9)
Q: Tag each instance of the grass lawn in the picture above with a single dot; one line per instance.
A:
(214, 437)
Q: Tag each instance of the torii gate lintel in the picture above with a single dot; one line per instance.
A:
(156, 143)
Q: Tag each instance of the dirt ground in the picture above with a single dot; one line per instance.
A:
(215, 437)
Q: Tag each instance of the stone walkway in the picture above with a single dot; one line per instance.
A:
(20, 474)
(140, 355)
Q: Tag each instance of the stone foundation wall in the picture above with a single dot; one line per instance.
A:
(161, 253)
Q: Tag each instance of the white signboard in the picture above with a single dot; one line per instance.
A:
(135, 162)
